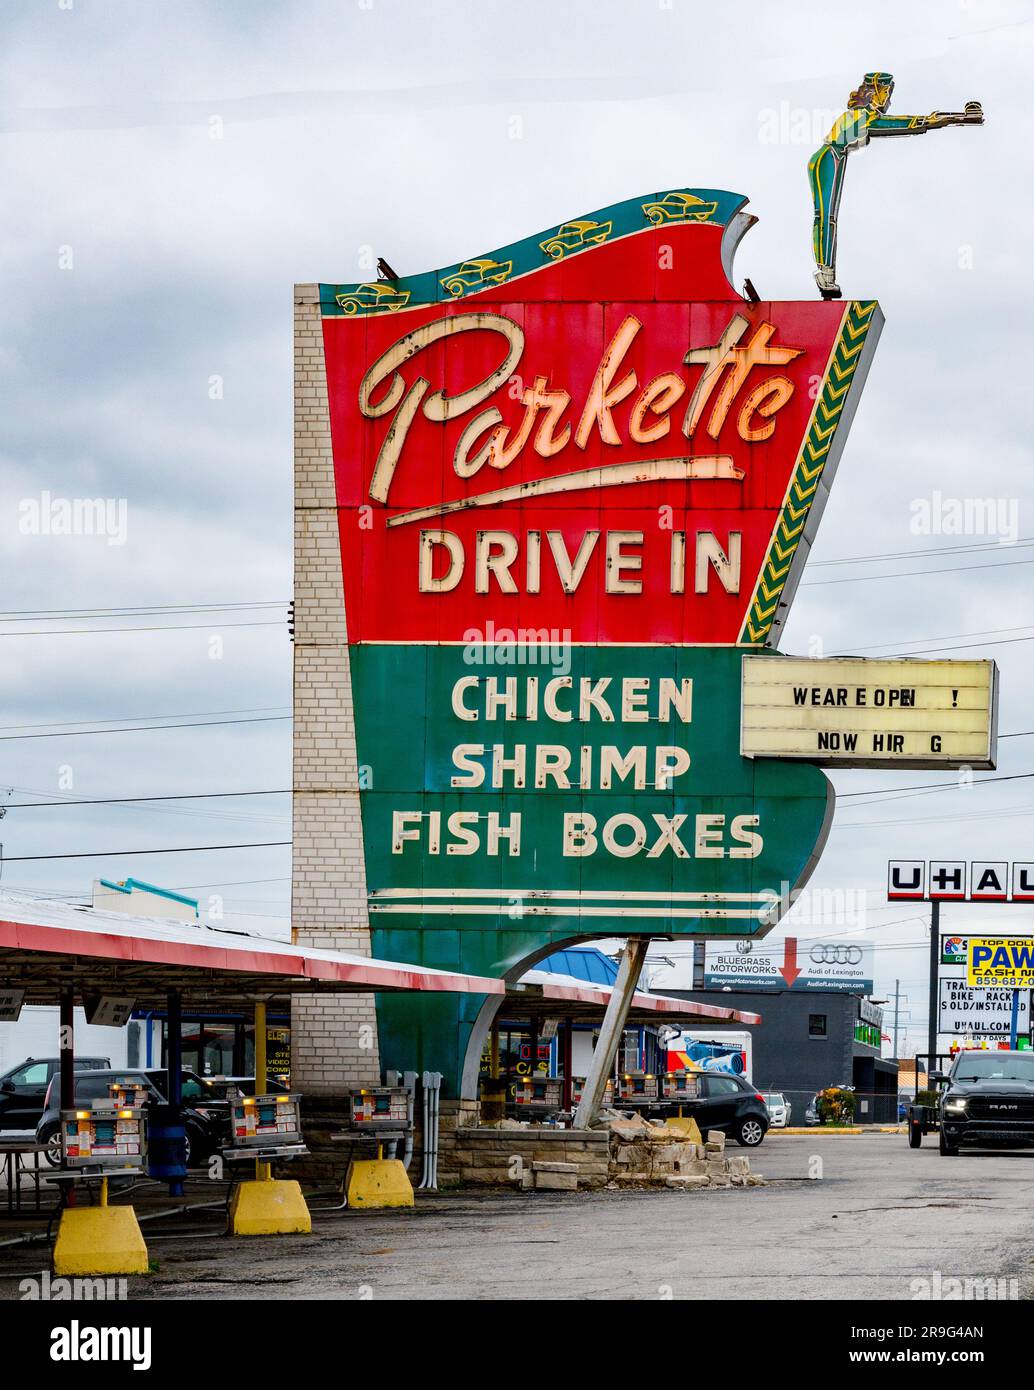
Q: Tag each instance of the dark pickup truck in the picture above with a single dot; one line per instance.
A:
(988, 1101)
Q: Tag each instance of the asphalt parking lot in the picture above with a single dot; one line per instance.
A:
(843, 1217)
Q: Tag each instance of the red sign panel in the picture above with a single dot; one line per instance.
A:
(615, 470)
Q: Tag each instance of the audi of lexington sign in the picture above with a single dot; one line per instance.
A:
(837, 965)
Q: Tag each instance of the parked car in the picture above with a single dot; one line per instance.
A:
(811, 1114)
(205, 1133)
(23, 1089)
(778, 1108)
(988, 1101)
(732, 1105)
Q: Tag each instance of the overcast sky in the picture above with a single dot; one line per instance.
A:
(169, 171)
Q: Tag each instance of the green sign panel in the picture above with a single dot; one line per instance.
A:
(604, 794)
(585, 791)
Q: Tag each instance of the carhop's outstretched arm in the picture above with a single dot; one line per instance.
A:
(919, 125)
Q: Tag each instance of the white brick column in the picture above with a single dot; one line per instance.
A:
(333, 1039)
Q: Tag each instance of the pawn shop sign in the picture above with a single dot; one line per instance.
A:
(1007, 962)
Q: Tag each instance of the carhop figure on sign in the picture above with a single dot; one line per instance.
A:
(865, 117)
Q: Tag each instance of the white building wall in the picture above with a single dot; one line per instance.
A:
(35, 1035)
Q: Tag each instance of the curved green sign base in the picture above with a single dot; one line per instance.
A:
(517, 798)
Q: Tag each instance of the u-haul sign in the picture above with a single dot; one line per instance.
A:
(956, 880)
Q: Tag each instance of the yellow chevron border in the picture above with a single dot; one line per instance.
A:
(804, 481)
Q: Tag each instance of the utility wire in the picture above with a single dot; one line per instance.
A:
(147, 728)
(936, 786)
(121, 718)
(928, 552)
(132, 800)
(158, 627)
(120, 853)
(944, 637)
(28, 615)
(911, 574)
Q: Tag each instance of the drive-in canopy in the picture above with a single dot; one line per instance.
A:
(48, 947)
(544, 994)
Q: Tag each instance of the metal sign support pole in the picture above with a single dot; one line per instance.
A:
(613, 1026)
(262, 1170)
(935, 959)
(1014, 1024)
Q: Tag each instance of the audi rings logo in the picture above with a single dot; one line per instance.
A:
(830, 954)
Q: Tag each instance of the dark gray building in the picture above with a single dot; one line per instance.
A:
(811, 1039)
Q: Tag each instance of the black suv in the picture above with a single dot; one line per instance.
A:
(988, 1101)
(23, 1089)
(731, 1104)
(205, 1133)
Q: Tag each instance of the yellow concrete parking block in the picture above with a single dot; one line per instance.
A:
(269, 1207)
(99, 1240)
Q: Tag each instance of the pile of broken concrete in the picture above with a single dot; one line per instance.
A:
(672, 1154)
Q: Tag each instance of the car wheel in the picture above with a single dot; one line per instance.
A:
(915, 1136)
(948, 1149)
(750, 1132)
(197, 1148)
(52, 1152)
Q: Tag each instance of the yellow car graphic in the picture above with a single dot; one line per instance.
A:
(479, 272)
(370, 298)
(573, 235)
(679, 207)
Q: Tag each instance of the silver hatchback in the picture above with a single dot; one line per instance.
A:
(778, 1107)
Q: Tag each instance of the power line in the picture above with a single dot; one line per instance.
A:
(147, 728)
(910, 574)
(132, 800)
(121, 853)
(27, 615)
(927, 552)
(935, 786)
(964, 646)
(945, 637)
(120, 718)
(158, 627)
